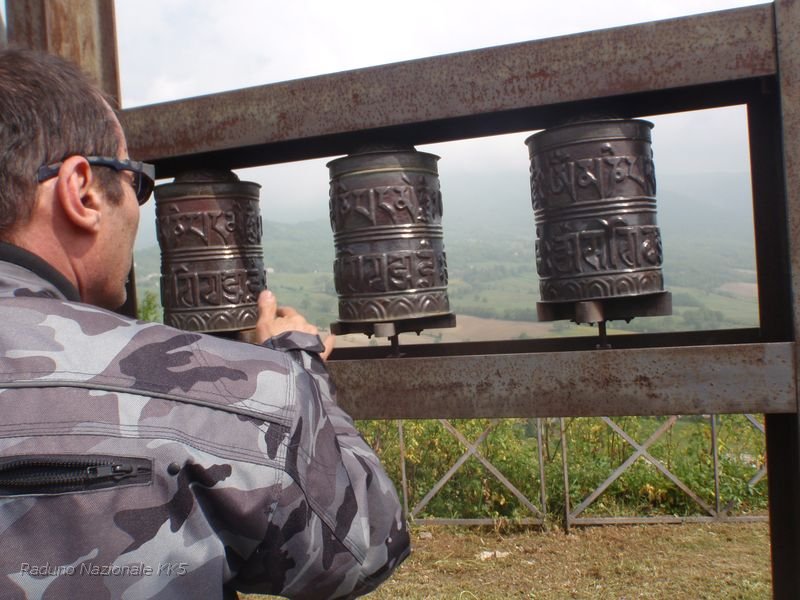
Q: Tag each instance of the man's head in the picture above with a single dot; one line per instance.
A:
(50, 110)
(57, 198)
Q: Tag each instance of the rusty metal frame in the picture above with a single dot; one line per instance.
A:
(745, 56)
(735, 378)
(716, 59)
(694, 62)
(83, 31)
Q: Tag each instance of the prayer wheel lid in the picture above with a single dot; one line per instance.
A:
(205, 182)
(583, 131)
(384, 157)
(207, 176)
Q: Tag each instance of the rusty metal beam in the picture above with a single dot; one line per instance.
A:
(787, 15)
(744, 378)
(82, 31)
(495, 90)
(783, 431)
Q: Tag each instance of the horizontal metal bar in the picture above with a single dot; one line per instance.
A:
(744, 378)
(467, 522)
(448, 97)
(557, 344)
(666, 520)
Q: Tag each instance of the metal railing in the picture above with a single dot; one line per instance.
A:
(716, 509)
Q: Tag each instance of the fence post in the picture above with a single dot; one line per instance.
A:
(715, 457)
(564, 465)
(542, 482)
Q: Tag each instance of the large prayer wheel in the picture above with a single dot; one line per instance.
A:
(390, 268)
(212, 264)
(598, 247)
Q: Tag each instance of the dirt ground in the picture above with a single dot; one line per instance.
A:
(657, 562)
(691, 561)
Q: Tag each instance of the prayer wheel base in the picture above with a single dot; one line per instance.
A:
(392, 328)
(607, 309)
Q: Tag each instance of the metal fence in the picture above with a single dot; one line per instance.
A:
(716, 509)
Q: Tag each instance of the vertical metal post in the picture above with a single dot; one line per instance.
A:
(2, 32)
(404, 480)
(82, 31)
(715, 458)
(775, 308)
(564, 465)
(542, 481)
(774, 125)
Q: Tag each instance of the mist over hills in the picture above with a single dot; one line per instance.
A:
(705, 208)
(697, 205)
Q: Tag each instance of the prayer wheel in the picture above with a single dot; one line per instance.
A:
(390, 268)
(212, 264)
(598, 247)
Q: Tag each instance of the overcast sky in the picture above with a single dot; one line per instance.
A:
(171, 49)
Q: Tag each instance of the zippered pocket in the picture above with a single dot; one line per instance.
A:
(64, 473)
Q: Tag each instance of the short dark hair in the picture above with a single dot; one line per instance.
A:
(49, 110)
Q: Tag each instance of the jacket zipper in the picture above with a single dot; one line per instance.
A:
(53, 474)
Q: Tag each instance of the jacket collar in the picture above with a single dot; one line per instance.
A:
(29, 261)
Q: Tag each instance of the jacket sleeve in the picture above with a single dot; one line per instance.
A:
(338, 530)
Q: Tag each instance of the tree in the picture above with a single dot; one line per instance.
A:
(150, 308)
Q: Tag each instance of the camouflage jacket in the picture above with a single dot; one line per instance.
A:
(140, 461)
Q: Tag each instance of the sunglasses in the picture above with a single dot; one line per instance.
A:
(144, 174)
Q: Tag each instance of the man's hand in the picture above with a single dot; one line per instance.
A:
(273, 320)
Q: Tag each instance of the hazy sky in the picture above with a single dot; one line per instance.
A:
(171, 49)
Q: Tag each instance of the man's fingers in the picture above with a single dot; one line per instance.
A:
(329, 343)
(274, 320)
(286, 311)
(267, 305)
(267, 313)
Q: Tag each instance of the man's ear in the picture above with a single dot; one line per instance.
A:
(76, 195)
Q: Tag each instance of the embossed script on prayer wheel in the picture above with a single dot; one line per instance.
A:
(598, 247)
(212, 264)
(390, 269)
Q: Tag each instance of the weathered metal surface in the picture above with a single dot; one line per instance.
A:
(787, 16)
(747, 378)
(783, 431)
(465, 87)
(386, 217)
(212, 264)
(82, 31)
(593, 189)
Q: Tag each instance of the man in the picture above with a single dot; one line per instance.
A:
(137, 460)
